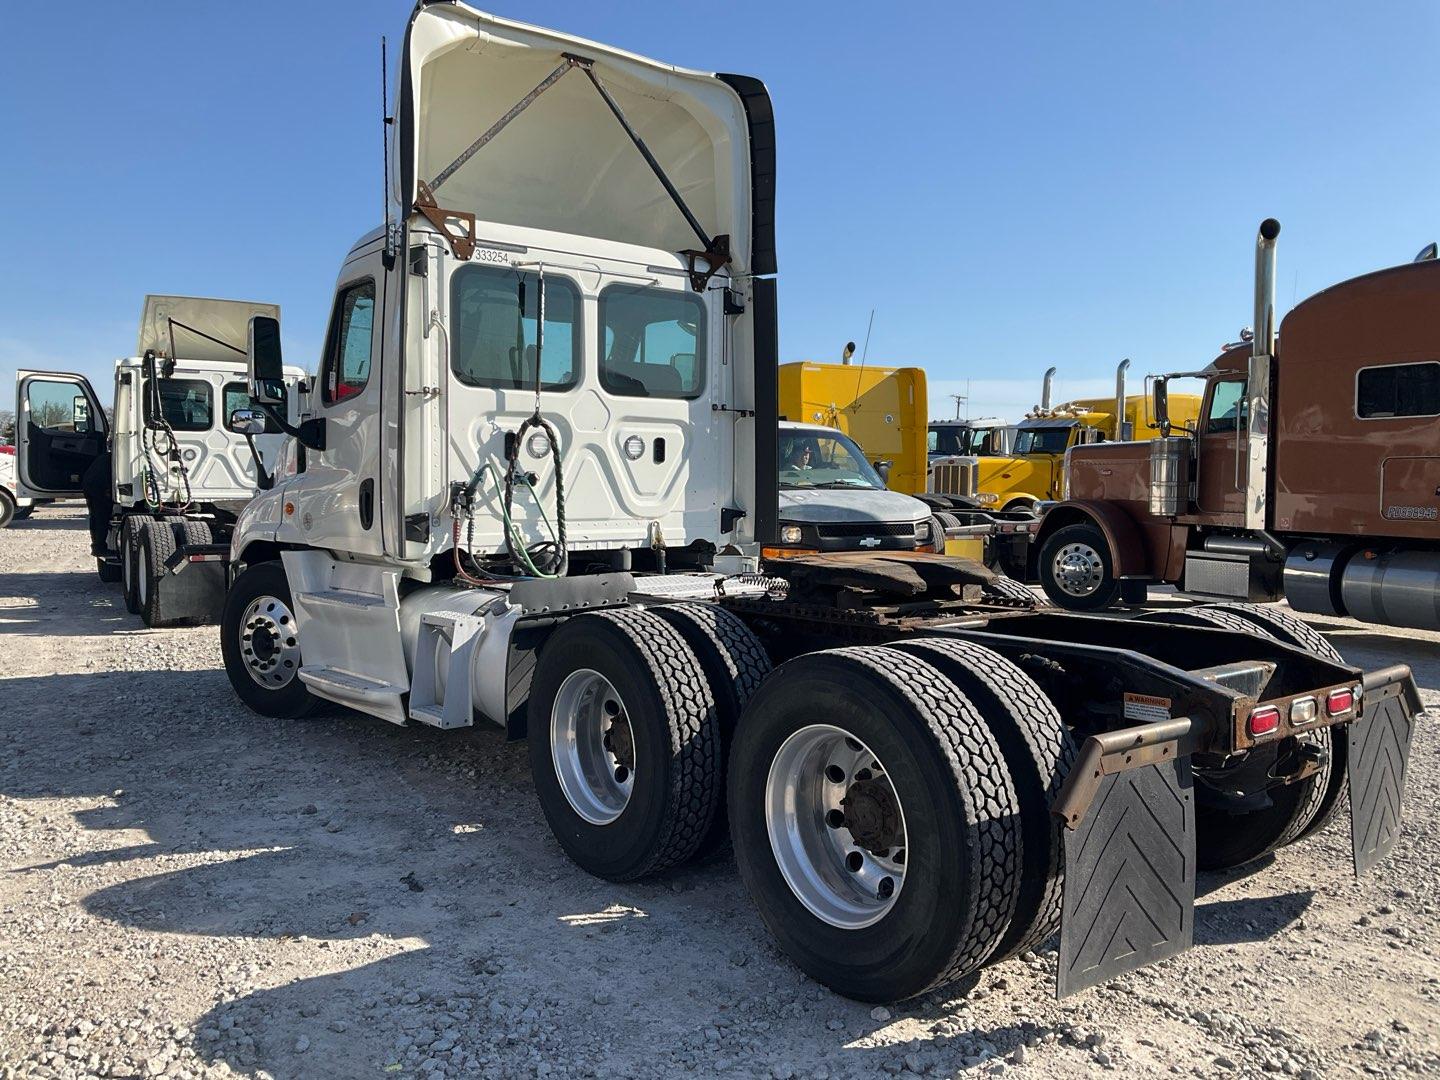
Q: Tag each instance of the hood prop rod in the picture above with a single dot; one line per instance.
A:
(715, 252)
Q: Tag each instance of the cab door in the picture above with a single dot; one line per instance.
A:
(1220, 449)
(338, 506)
(60, 429)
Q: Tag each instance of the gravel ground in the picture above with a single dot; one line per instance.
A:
(191, 890)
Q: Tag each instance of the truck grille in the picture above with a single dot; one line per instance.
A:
(953, 478)
(840, 530)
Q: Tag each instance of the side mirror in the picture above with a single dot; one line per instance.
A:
(263, 362)
(883, 468)
(247, 422)
(80, 415)
(1162, 406)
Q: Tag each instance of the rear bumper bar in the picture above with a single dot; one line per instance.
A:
(186, 554)
(1128, 810)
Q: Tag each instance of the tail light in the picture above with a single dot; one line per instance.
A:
(1264, 721)
(1339, 701)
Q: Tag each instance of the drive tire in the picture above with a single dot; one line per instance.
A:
(1225, 840)
(156, 543)
(289, 701)
(1293, 630)
(673, 761)
(1082, 544)
(735, 664)
(1007, 588)
(1039, 753)
(130, 529)
(961, 833)
(7, 509)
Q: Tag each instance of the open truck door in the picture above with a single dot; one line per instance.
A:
(60, 429)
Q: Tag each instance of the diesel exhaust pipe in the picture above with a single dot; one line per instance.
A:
(1257, 392)
(1047, 388)
(1121, 435)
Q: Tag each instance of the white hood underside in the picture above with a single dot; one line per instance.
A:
(225, 320)
(565, 163)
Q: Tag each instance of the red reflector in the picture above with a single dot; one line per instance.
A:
(1264, 721)
(1339, 701)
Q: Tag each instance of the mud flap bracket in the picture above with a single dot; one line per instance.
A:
(1129, 814)
(1377, 761)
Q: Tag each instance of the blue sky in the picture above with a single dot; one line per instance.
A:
(1008, 186)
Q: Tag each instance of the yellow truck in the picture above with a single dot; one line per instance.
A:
(1034, 470)
(881, 408)
(886, 411)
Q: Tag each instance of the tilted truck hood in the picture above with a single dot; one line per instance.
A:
(198, 325)
(811, 506)
(566, 163)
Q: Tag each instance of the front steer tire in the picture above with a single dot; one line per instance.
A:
(288, 700)
(1077, 569)
(962, 838)
(663, 735)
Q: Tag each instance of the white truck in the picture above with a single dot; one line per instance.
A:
(177, 474)
(540, 466)
(12, 507)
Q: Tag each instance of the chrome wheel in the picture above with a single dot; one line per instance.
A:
(592, 746)
(127, 572)
(1079, 570)
(836, 826)
(142, 574)
(269, 642)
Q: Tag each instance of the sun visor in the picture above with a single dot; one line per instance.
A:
(565, 161)
(199, 328)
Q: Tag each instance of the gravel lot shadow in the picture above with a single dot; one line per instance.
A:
(1250, 918)
(41, 520)
(23, 614)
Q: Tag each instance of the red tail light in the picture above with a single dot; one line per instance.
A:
(1339, 701)
(1264, 721)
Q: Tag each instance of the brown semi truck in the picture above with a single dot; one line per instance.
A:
(1312, 473)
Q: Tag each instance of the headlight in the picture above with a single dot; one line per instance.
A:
(987, 497)
(790, 534)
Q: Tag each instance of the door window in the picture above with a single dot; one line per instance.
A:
(652, 342)
(347, 363)
(1227, 407)
(185, 404)
(58, 407)
(495, 342)
(237, 396)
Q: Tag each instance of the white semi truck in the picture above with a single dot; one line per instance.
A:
(12, 507)
(177, 474)
(540, 463)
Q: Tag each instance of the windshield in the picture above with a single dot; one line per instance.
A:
(949, 440)
(815, 460)
(1042, 440)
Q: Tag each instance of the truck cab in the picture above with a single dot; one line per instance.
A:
(177, 473)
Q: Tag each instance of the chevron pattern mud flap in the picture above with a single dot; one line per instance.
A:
(1129, 896)
(1379, 754)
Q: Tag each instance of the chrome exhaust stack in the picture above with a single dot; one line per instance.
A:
(1047, 388)
(1257, 393)
(1121, 432)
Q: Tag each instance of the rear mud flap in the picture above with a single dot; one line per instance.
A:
(1379, 754)
(193, 597)
(1129, 895)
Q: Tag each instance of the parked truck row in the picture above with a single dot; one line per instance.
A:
(532, 485)
(1310, 472)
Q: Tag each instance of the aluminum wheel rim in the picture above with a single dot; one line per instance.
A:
(142, 575)
(125, 568)
(1079, 570)
(269, 642)
(824, 783)
(592, 746)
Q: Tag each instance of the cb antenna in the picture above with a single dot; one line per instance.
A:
(385, 121)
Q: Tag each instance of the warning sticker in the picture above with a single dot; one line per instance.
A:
(1147, 708)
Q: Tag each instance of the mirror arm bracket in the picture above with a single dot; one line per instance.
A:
(309, 433)
(263, 480)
